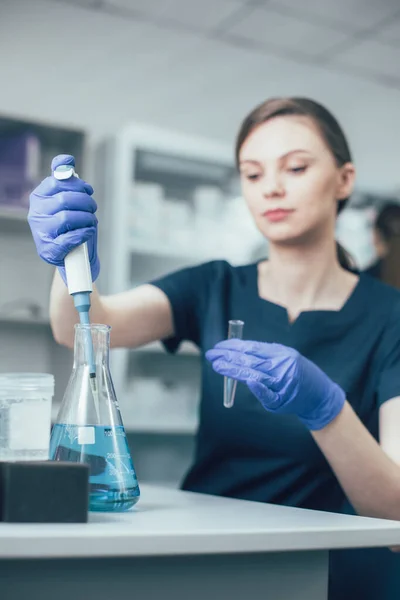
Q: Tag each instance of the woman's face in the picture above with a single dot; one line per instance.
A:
(290, 179)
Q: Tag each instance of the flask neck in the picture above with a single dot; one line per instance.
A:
(92, 342)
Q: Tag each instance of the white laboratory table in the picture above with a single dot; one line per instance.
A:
(178, 545)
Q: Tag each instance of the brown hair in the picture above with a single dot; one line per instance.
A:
(328, 127)
(388, 226)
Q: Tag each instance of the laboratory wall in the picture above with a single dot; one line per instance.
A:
(199, 67)
(149, 96)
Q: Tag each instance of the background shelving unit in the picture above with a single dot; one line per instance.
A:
(26, 341)
(167, 201)
(163, 201)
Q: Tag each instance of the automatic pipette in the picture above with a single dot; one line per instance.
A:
(80, 286)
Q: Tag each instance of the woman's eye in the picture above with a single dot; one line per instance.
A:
(252, 176)
(297, 169)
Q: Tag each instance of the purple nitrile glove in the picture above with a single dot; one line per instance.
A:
(281, 378)
(61, 217)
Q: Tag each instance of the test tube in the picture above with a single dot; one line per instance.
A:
(235, 330)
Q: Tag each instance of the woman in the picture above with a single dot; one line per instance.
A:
(387, 245)
(321, 373)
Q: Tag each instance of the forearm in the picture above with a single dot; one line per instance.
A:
(370, 479)
(63, 315)
(137, 317)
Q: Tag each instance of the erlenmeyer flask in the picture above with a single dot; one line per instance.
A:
(89, 427)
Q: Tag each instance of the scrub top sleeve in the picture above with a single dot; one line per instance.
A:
(187, 291)
(389, 376)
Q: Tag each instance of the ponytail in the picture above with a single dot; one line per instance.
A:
(345, 259)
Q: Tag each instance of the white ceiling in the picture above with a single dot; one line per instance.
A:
(202, 15)
(278, 31)
(353, 15)
(200, 65)
(390, 32)
(371, 58)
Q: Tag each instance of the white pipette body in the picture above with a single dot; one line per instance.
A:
(77, 264)
(80, 286)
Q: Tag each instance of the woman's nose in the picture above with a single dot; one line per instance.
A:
(272, 186)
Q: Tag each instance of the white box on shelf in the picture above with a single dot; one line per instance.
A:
(179, 163)
(178, 225)
(147, 208)
(241, 238)
(354, 231)
(208, 203)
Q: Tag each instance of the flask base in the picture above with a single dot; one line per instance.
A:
(109, 500)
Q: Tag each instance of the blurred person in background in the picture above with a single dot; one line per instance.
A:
(316, 418)
(386, 237)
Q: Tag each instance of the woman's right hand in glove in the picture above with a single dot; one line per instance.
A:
(61, 217)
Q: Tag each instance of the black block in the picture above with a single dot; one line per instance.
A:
(44, 492)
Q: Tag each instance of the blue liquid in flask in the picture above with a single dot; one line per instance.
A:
(112, 482)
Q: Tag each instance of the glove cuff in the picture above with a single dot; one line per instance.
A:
(327, 410)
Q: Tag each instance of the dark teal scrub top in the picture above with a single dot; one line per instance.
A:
(246, 452)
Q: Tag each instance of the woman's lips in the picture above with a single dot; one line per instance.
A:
(279, 214)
